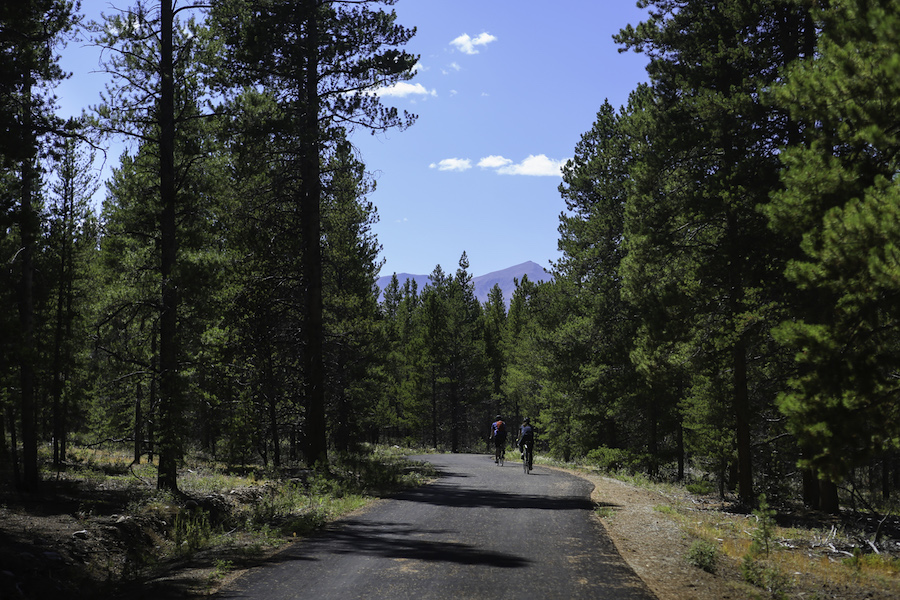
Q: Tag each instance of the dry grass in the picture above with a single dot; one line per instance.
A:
(796, 554)
(655, 525)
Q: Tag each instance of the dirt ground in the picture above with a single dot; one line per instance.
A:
(656, 546)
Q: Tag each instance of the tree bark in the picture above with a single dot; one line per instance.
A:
(63, 309)
(27, 226)
(828, 494)
(170, 403)
(810, 489)
(742, 421)
(740, 390)
(310, 214)
(138, 424)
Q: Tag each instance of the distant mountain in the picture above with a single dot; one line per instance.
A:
(484, 283)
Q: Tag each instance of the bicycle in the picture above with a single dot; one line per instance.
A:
(499, 453)
(527, 457)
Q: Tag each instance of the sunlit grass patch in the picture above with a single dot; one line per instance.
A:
(794, 553)
(205, 479)
(666, 509)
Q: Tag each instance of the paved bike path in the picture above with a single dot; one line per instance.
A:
(480, 531)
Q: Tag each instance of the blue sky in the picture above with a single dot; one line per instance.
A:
(504, 90)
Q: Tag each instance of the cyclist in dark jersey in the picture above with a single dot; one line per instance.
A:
(526, 434)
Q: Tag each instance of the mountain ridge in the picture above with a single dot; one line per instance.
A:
(505, 278)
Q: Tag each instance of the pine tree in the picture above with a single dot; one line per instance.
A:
(495, 352)
(320, 89)
(351, 266)
(163, 114)
(714, 160)
(594, 331)
(30, 33)
(840, 205)
(72, 241)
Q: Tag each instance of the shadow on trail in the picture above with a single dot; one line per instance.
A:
(452, 495)
(396, 541)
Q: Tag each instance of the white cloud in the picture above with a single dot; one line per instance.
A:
(452, 164)
(452, 66)
(466, 44)
(538, 165)
(403, 89)
(493, 162)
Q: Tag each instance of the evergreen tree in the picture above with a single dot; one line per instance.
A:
(466, 365)
(594, 332)
(840, 204)
(72, 240)
(30, 33)
(433, 327)
(524, 373)
(154, 99)
(351, 266)
(715, 160)
(495, 353)
(320, 61)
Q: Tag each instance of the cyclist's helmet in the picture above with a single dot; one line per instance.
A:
(525, 421)
(498, 418)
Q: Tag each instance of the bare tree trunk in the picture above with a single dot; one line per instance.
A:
(434, 426)
(740, 391)
(680, 448)
(811, 496)
(63, 312)
(272, 404)
(153, 400)
(311, 190)
(27, 226)
(828, 493)
(13, 442)
(742, 420)
(170, 401)
(138, 424)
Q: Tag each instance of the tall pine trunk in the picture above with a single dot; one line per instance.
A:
(311, 189)
(170, 403)
(27, 227)
(63, 326)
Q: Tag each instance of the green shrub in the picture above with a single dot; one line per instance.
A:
(701, 487)
(765, 576)
(617, 459)
(191, 531)
(765, 528)
(703, 555)
(758, 572)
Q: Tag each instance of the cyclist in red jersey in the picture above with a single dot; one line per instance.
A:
(498, 436)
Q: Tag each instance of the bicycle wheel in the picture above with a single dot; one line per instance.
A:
(502, 455)
(525, 455)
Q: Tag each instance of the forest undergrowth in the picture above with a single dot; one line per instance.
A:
(100, 528)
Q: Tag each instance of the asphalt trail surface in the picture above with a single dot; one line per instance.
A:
(479, 531)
